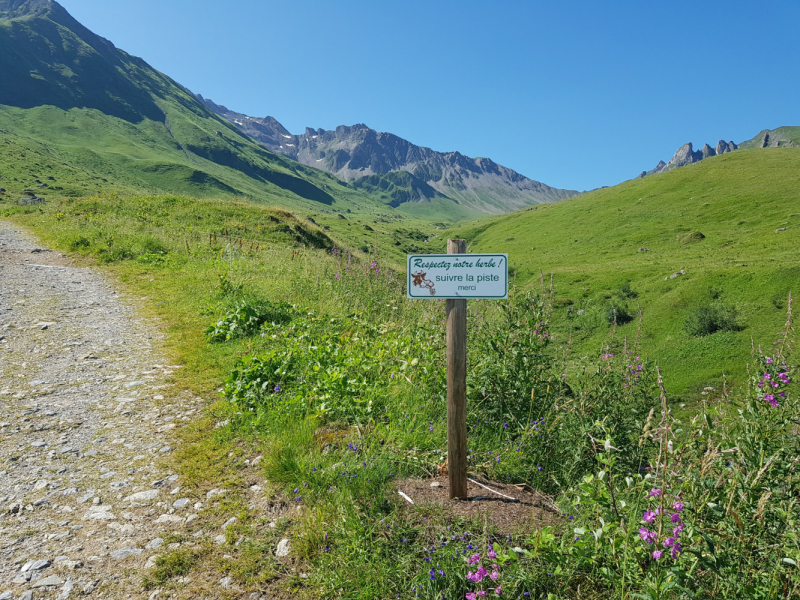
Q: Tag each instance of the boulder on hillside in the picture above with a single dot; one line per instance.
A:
(689, 238)
(675, 274)
(30, 200)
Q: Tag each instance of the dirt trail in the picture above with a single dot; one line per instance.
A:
(84, 502)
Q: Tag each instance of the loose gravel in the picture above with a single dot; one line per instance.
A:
(85, 421)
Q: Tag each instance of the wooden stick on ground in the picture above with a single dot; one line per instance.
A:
(491, 490)
(410, 501)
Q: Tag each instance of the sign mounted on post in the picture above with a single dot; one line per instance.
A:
(467, 276)
(457, 276)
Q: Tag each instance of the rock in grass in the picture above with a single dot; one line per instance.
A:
(125, 552)
(48, 581)
(143, 496)
(283, 548)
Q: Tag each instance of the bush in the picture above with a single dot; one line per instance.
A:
(79, 243)
(625, 291)
(246, 317)
(709, 319)
(618, 313)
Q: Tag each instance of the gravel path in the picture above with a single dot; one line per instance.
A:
(84, 499)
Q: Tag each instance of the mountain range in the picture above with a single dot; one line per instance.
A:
(362, 155)
(88, 116)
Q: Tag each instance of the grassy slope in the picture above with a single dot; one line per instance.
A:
(590, 244)
(106, 114)
(784, 135)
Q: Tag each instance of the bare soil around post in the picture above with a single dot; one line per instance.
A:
(524, 510)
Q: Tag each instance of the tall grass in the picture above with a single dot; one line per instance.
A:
(339, 380)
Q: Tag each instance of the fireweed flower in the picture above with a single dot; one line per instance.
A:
(677, 505)
(656, 554)
(675, 518)
(649, 516)
(648, 536)
(654, 493)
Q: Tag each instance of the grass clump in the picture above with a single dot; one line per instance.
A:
(174, 563)
(711, 318)
(247, 316)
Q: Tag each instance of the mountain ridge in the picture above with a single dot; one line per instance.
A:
(781, 137)
(357, 151)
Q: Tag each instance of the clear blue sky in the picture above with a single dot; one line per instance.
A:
(574, 94)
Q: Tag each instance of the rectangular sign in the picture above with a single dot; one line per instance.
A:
(457, 276)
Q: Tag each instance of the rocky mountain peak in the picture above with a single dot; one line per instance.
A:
(355, 152)
(687, 155)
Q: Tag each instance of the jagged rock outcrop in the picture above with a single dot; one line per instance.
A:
(355, 152)
(782, 137)
(686, 155)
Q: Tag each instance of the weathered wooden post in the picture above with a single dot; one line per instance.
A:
(457, 276)
(456, 311)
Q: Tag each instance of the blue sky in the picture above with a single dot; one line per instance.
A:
(574, 94)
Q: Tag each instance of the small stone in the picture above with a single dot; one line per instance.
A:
(151, 562)
(169, 519)
(219, 540)
(50, 580)
(153, 544)
(225, 582)
(228, 523)
(283, 548)
(198, 506)
(90, 587)
(164, 450)
(143, 496)
(39, 565)
(66, 590)
(436, 484)
(215, 492)
(180, 503)
(27, 596)
(6, 596)
(175, 491)
(190, 518)
(125, 552)
(73, 564)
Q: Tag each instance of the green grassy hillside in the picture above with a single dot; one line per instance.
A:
(619, 246)
(75, 108)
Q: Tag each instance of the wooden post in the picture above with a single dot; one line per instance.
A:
(457, 388)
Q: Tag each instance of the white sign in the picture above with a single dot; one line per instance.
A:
(457, 275)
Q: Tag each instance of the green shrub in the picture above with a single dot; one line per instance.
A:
(618, 313)
(709, 319)
(78, 243)
(246, 316)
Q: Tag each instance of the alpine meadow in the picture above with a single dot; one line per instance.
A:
(632, 411)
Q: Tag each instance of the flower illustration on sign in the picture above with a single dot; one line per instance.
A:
(420, 281)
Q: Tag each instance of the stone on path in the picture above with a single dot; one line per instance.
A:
(125, 552)
(143, 496)
(48, 581)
